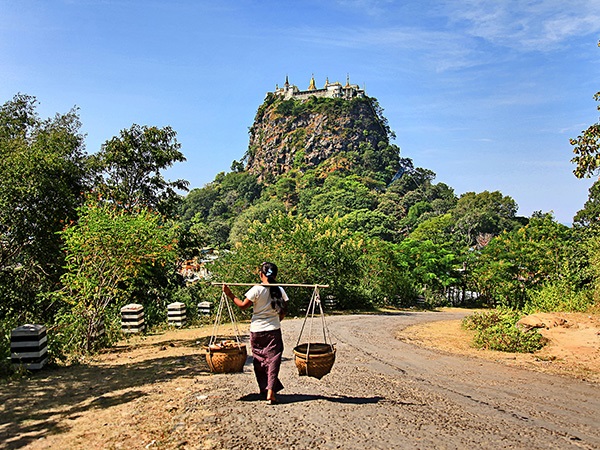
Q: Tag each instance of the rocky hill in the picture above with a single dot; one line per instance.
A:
(302, 134)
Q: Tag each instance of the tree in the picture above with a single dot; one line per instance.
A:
(431, 265)
(515, 263)
(130, 168)
(486, 212)
(371, 224)
(340, 195)
(417, 213)
(412, 179)
(260, 212)
(108, 251)
(587, 148)
(208, 214)
(437, 229)
(309, 251)
(42, 181)
(199, 201)
(590, 214)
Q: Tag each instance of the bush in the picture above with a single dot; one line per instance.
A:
(100, 277)
(497, 330)
(6, 326)
(558, 297)
(193, 294)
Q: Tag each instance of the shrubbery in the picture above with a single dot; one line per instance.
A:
(558, 296)
(497, 330)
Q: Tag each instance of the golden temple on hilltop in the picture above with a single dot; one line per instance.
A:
(330, 90)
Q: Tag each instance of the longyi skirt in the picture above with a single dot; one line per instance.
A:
(267, 351)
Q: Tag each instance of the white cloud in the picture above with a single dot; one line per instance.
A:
(440, 51)
(525, 26)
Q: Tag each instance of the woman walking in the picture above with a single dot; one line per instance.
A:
(269, 306)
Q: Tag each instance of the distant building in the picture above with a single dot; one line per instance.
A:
(330, 90)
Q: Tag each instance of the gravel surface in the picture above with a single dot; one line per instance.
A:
(383, 393)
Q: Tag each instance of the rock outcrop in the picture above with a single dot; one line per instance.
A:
(301, 134)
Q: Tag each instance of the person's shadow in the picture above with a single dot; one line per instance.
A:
(297, 398)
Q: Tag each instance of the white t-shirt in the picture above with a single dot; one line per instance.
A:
(264, 317)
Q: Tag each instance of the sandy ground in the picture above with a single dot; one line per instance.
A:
(573, 347)
(401, 380)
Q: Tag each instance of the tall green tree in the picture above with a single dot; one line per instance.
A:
(483, 213)
(590, 213)
(130, 169)
(310, 251)
(339, 195)
(432, 266)
(42, 181)
(515, 263)
(587, 148)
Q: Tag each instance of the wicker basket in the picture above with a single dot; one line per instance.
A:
(314, 359)
(226, 360)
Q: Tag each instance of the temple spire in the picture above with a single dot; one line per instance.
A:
(312, 86)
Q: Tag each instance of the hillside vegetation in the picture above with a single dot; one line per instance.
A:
(321, 190)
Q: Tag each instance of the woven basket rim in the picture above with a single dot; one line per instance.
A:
(236, 349)
(319, 347)
(316, 350)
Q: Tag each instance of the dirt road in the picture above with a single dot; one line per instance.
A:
(382, 393)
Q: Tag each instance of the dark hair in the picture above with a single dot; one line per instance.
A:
(269, 270)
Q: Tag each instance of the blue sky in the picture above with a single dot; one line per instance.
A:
(484, 93)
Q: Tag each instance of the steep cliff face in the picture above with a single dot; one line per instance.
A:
(294, 134)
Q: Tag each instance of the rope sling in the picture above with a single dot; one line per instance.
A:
(315, 301)
(218, 318)
(313, 359)
(227, 356)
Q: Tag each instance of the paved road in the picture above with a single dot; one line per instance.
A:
(383, 393)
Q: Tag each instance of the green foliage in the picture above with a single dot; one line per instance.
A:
(414, 179)
(417, 213)
(208, 214)
(109, 251)
(260, 213)
(199, 201)
(587, 149)
(6, 326)
(593, 249)
(432, 266)
(437, 229)
(590, 214)
(372, 224)
(387, 279)
(286, 188)
(558, 296)
(340, 195)
(497, 330)
(130, 168)
(318, 251)
(483, 213)
(42, 178)
(515, 263)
